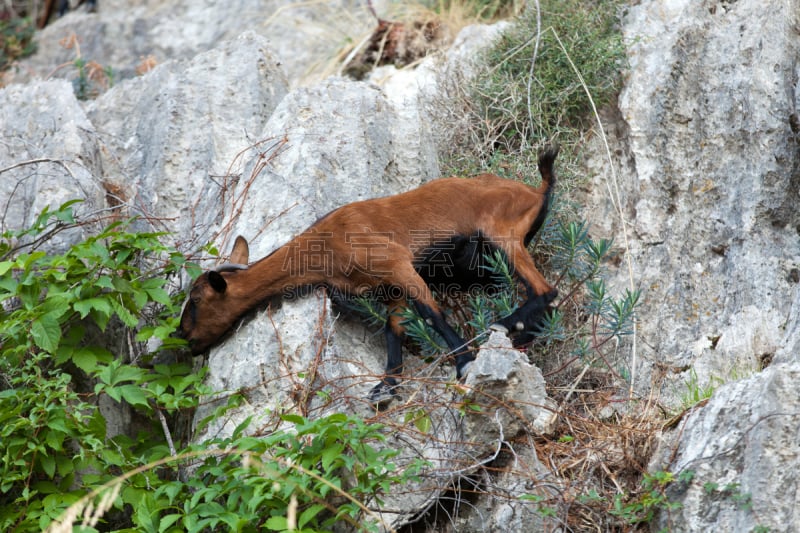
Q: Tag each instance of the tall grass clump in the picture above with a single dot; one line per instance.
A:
(534, 85)
(534, 92)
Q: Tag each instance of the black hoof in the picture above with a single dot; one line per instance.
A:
(382, 394)
(550, 296)
(462, 370)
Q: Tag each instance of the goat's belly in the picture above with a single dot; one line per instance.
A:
(457, 264)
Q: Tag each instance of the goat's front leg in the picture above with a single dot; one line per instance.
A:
(418, 292)
(394, 333)
(404, 277)
(528, 317)
(458, 346)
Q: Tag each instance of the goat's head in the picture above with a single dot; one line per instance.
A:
(209, 311)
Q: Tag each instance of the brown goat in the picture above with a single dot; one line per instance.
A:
(397, 248)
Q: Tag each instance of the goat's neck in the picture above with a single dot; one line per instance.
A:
(289, 267)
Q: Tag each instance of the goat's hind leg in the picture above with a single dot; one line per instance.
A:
(539, 295)
(405, 278)
(429, 310)
(386, 390)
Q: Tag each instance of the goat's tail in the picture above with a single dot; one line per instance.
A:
(546, 160)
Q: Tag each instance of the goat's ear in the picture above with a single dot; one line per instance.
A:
(241, 251)
(217, 282)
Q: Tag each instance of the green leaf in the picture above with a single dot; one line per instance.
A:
(423, 424)
(113, 392)
(56, 305)
(193, 270)
(65, 214)
(124, 314)
(55, 439)
(308, 514)
(139, 297)
(294, 419)
(101, 305)
(276, 523)
(134, 395)
(420, 419)
(64, 465)
(87, 358)
(48, 465)
(5, 266)
(329, 455)
(167, 521)
(104, 282)
(100, 252)
(121, 284)
(9, 284)
(116, 373)
(46, 333)
(159, 295)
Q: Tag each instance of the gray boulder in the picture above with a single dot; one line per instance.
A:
(510, 392)
(129, 35)
(170, 138)
(742, 452)
(162, 146)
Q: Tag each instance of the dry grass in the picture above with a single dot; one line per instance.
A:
(357, 38)
(600, 449)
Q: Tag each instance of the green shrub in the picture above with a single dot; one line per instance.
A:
(61, 313)
(652, 498)
(328, 469)
(54, 362)
(305, 478)
(535, 90)
(16, 35)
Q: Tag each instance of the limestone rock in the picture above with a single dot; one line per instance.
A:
(127, 35)
(48, 156)
(511, 500)
(742, 450)
(171, 136)
(510, 393)
(706, 150)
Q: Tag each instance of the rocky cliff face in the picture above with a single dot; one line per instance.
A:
(705, 140)
(709, 178)
(227, 136)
